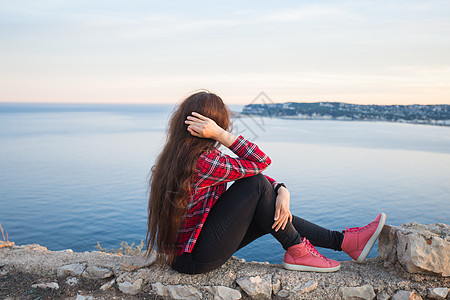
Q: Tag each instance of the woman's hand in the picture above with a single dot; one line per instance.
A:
(203, 127)
(282, 212)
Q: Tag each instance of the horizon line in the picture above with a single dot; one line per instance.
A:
(176, 102)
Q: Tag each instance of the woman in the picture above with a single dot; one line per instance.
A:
(196, 223)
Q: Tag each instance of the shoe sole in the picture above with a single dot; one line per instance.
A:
(362, 257)
(309, 268)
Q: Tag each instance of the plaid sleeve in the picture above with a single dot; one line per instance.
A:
(215, 167)
(272, 181)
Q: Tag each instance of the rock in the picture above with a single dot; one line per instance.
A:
(3, 273)
(82, 297)
(71, 270)
(223, 293)
(437, 293)
(283, 294)
(50, 285)
(65, 251)
(72, 281)
(276, 285)
(107, 285)
(418, 248)
(177, 291)
(307, 287)
(357, 293)
(230, 275)
(94, 272)
(130, 288)
(257, 287)
(383, 296)
(406, 295)
(139, 261)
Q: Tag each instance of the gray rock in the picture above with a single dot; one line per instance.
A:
(307, 287)
(276, 285)
(357, 293)
(177, 291)
(71, 270)
(72, 281)
(49, 285)
(65, 251)
(418, 248)
(283, 293)
(94, 272)
(257, 287)
(223, 293)
(383, 296)
(437, 293)
(406, 295)
(82, 297)
(3, 273)
(130, 288)
(107, 285)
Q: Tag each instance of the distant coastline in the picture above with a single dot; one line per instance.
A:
(415, 114)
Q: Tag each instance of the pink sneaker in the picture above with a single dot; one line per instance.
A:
(304, 257)
(359, 240)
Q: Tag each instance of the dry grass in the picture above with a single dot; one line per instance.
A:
(5, 242)
(124, 249)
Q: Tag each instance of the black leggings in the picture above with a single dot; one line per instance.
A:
(243, 213)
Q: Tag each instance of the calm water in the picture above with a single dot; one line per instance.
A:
(72, 175)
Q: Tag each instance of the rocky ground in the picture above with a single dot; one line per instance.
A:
(33, 272)
(132, 278)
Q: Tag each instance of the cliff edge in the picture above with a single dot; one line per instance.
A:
(32, 271)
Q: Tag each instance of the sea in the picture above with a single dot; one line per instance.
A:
(74, 175)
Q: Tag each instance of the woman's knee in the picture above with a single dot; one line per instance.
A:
(256, 180)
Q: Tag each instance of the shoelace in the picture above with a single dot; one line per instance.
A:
(357, 229)
(313, 249)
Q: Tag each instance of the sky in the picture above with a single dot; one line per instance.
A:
(364, 52)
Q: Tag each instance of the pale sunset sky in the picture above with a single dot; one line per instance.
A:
(365, 52)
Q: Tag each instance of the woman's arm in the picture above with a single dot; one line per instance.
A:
(215, 167)
(203, 127)
(229, 169)
(282, 212)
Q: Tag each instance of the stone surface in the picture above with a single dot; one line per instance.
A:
(276, 285)
(357, 293)
(177, 291)
(3, 273)
(30, 264)
(72, 281)
(406, 295)
(71, 270)
(305, 287)
(257, 287)
(418, 248)
(107, 285)
(283, 293)
(139, 261)
(383, 296)
(47, 285)
(95, 272)
(82, 297)
(437, 293)
(130, 288)
(224, 293)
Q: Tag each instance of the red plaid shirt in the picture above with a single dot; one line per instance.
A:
(214, 170)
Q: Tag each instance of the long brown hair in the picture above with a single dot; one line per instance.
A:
(171, 177)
